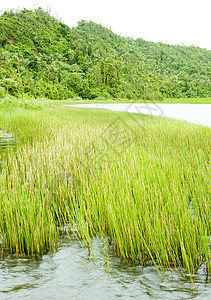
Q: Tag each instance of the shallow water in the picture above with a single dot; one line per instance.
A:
(193, 113)
(69, 274)
(6, 139)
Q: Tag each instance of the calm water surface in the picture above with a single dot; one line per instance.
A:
(193, 113)
(69, 274)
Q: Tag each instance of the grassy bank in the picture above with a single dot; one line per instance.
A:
(140, 183)
(77, 100)
(32, 103)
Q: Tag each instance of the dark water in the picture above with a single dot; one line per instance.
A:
(70, 274)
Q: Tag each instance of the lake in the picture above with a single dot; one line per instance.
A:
(69, 274)
(193, 113)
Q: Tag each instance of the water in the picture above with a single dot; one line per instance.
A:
(6, 139)
(193, 113)
(69, 274)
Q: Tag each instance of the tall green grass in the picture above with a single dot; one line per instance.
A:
(25, 102)
(78, 100)
(147, 191)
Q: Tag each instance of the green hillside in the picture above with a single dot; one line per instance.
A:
(42, 57)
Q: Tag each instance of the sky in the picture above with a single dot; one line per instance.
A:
(178, 22)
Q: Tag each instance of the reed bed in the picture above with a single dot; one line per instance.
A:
(146, 192)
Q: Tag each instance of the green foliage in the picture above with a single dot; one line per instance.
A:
(43, 57)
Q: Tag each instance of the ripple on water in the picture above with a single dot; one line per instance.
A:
(62, 275)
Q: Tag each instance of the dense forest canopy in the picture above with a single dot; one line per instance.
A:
(42, 57)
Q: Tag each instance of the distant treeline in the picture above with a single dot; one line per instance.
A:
(42, 57)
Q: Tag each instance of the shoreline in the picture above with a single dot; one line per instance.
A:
(198, 114)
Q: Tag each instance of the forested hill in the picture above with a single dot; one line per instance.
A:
(43, 57)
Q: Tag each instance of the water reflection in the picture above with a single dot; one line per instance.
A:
(6, 139)
(62, 275)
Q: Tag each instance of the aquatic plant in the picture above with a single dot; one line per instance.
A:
(142, 184)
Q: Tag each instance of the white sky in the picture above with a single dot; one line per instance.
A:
(185, 22)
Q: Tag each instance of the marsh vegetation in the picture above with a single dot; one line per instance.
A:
(140, 184)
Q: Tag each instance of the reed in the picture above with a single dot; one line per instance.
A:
(146, 192)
